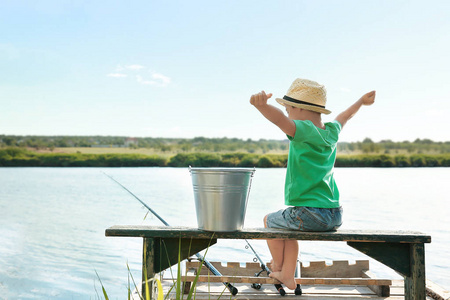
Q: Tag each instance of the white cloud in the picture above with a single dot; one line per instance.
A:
(117, 75)
(157, 79)
(134, 67)
(345, 90)
(164, 79)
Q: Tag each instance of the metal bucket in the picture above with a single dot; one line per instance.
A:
(221, 196)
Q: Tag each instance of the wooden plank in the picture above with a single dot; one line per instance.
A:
(437, 292)
(314, 269)
(380, 290)
(206, 291)
(306, 281)
(230, 268)
(211, 291)
(338, 269)
(269, 233)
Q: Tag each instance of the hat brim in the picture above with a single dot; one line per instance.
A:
(304, 106)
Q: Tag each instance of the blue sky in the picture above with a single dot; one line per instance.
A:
(188, 68)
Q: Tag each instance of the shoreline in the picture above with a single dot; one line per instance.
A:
(20, 157)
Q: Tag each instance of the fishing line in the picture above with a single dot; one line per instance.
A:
(230, 287)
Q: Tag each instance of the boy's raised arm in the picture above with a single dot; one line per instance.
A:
(273, 114)
(366, 99)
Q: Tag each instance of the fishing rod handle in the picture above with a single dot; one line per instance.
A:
(230, 287)
(280, 289)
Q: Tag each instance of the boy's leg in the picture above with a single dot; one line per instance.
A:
(287, 273)
(276, 248)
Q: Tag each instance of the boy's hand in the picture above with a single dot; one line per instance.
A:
(366, 99)
(260, 98)
(272, 113)
(369, 98)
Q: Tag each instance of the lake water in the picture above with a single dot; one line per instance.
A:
(52, 222)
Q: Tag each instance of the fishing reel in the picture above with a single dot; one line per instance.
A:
(257, 286)
(264, 268)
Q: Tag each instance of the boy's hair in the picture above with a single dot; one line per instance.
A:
(306, 94)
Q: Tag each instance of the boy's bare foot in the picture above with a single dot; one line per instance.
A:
(274, 267)
(288, 282)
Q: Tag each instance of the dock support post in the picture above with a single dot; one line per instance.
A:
(148, 265)
(408, 259)
(161, 253)
(415, 283)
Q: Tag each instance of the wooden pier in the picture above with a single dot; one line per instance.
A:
(213, 291)
(402, 251)
(319, 281)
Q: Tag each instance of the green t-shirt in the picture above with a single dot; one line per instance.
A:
(309, 175)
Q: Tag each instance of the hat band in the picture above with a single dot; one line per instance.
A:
(301, 102)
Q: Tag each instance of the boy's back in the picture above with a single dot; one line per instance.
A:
(309, 176)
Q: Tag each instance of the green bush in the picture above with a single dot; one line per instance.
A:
(280, 160)
(232, 159)
(383, 161)
(265, 162)
(417, 160)
(402, 161)
(445, 161)
(249, 161)
(272, 161)
(195, 160)
(31, 159)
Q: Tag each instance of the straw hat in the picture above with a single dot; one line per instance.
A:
(306, 94)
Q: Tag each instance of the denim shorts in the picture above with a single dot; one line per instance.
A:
(306, 218)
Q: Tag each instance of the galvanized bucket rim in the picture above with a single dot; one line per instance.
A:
(215, 170)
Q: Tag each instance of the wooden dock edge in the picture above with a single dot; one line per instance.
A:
(436, 292)
(305, 281)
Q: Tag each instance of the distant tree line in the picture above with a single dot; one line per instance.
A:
(198, 144)
(202, 144)
(21, 157)
(390, 147)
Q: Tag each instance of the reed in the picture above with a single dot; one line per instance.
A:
(178, 284)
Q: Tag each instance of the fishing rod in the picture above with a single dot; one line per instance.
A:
(200, 257)
(257, 286)
(278, 287)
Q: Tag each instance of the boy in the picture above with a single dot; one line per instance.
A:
(310, 190)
